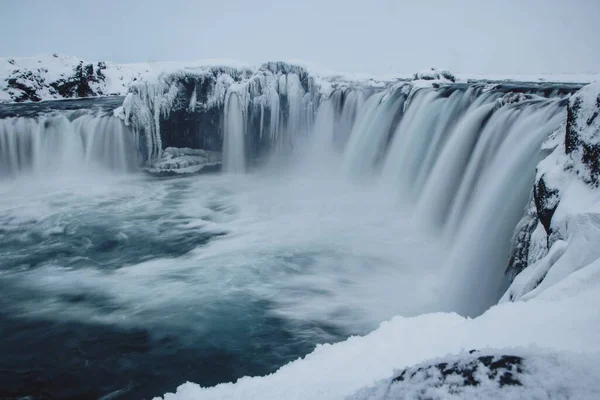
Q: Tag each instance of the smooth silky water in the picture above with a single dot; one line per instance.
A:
(121, 284)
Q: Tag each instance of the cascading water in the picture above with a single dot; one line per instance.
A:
(65, 143)
(234, 152)
(256, 271)
(464, 163)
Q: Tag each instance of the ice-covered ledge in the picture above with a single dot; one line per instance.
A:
(183, 161)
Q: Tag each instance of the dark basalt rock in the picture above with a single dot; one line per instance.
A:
(27, 85)
(503, 369)
(578, 156)
(468, 375)
(78, 85)
(582, 138)
(582, 145)
(521, 242)
(434, 74)
(546, 202)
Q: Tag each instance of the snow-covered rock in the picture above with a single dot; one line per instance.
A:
(58, 77)
(178, 161)
(563, 233)
(434, 74)
(492, 374)
(512, 98)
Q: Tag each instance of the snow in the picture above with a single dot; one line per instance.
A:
(555, 77)
(532, 374)
(576, 221)
(587, 121)
(54, 67)
(119, 77)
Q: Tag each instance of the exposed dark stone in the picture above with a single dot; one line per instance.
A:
(78, 85)
(448, 75)
(582, 161)
(504, 369)
(28, 83)
(572, 131)
(589, 150)
(521, 242)
(546, 201)
(590, 156)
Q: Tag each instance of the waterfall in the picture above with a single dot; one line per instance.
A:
(489, 213)
(66, 142)
(464, 162)
(234, 153)
(370, 133)
(459, 157)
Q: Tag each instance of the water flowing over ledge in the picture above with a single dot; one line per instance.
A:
(444, 169)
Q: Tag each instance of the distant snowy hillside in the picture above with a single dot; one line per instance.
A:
(57, 76)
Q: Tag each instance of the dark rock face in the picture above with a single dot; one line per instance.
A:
(79, 84)
(434, 74)
(584, 147)
(521, 241)
(472, 375)
(86, 81)
(27, 84)
(503, 369)
(576, 156)
(546, 202)
(581, 145)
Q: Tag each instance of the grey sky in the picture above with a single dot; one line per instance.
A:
(508, 36)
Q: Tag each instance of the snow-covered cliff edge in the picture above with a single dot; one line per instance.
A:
(562, 230)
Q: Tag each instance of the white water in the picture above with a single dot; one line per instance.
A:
(234, 152)
(66, 144)
(320, 252)
(445, 180)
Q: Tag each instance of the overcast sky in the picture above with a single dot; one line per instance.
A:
(502, 36)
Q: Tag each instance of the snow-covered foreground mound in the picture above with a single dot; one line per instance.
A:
(548, 317)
